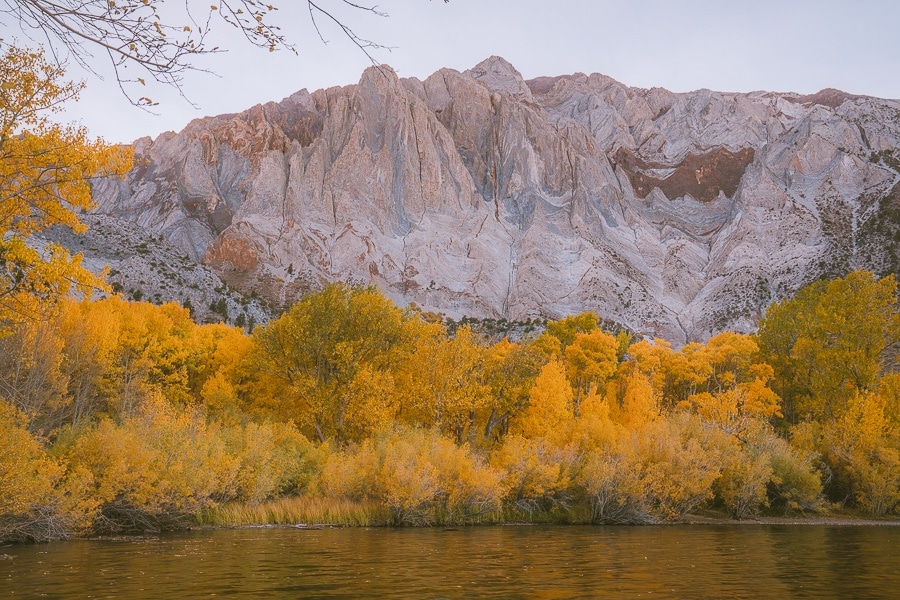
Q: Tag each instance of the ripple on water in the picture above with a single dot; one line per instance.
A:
(695, 561)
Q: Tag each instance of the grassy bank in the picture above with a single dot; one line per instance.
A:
(348, 513)
(293, 510)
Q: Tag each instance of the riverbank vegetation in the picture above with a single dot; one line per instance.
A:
(125, 416)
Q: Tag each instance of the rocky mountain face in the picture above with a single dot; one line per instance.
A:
(142, 265)
(482, 194)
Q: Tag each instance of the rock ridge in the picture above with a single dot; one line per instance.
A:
(480, 193)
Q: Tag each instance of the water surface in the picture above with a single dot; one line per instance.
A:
(693, 561)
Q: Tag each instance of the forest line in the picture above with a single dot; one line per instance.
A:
(126, 416)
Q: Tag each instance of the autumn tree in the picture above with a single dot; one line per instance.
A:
(89, 336)
(31, 375)
(567, 328)
(685, 372)
(651, 358)
(442, 381)
(537, 473)
(639, 403)
(831, 342)
(736, 396)
(27, 480)
(225, 376)
(861, 449)
(591, 360)
(549, 409)
(653, 473)
(317, 349)
(510, 370)
(155, 469)
(44, 173)
(420, 476)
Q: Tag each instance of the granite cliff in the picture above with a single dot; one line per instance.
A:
(482, 194)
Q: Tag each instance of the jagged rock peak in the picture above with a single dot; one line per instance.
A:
(498, 75)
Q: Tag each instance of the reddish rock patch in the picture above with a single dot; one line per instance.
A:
(542, 85)
(702, 176)
(226, 250)
(829, 97)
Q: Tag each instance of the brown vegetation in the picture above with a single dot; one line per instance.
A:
(702, 176)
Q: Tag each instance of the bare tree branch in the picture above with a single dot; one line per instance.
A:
(161, 37)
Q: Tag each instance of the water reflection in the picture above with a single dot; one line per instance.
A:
(490, 562)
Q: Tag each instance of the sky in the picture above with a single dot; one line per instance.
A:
(682, 45)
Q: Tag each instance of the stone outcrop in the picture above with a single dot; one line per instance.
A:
(482, 194)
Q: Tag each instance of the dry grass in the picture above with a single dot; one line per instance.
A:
(299, 509)
(293, 510)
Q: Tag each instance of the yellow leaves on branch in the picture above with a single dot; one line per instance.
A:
(418, 474)
(550, 404)
(441, 381)
(44, 180)
(27, 475)
(831, 341)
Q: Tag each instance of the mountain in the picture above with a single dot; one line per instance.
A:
(479, 193)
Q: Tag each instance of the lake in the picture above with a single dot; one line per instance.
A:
(679, 561)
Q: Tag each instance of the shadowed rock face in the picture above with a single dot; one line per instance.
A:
(479, 193)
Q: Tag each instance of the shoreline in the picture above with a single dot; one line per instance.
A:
(841, 521)
(685, 520)
(817, 521)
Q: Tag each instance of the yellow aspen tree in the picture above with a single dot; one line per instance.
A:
(31, 373)
(27, 480)
(510, 371)
(535, 470)
(89, 336)
(231, 383)
(315, 350)
(156, 469)
(44, 172)
(650, 357)
(549, 411)
(640, 404)
(831, 342)
(443, 382)
(598, 426)
(566, 329)
(372, 403)
(730, 356)
(862, 447)
(591, 360)
(687, 372)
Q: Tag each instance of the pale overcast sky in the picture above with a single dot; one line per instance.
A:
(682, 45)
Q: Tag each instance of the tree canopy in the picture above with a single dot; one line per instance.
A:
(44, 173)
(831, 341)
(126, 416)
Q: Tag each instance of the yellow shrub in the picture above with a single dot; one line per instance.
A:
(154, 470)
(27, 480)
(420, 476)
